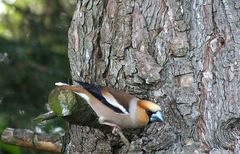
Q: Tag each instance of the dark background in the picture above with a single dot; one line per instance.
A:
(33, 56)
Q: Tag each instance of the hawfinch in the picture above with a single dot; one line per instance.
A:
(115, 108)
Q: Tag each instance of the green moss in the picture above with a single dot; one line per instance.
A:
(61, 101)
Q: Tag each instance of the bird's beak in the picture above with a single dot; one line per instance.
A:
(158, 116)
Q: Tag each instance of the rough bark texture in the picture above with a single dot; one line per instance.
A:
(187, 51)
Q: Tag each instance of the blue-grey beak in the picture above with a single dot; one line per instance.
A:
(158, 116)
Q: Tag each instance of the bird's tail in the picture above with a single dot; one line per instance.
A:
(61, 84)
(72, 88)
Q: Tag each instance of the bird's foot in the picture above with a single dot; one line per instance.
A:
(117, 131)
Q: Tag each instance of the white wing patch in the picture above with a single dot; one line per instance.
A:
(111, 100)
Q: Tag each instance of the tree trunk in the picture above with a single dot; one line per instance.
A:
(184, 55)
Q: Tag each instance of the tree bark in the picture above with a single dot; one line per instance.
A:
(184, 55)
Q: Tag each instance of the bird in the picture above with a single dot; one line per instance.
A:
(115, 108)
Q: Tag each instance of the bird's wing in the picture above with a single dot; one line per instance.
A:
(122, 98)
(105, 98)
(113, 101)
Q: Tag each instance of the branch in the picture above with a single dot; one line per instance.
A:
(28, 139)
(45, 116)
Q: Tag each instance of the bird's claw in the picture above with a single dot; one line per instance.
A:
(118, 131)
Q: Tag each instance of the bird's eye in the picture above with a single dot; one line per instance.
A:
(149, 113)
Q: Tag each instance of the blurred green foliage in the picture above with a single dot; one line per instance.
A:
(7, 148)
(33, 39)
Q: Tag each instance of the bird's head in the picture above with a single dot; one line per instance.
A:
(153, 110)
